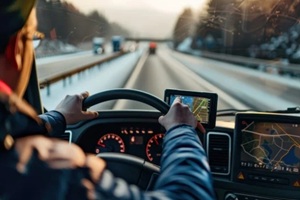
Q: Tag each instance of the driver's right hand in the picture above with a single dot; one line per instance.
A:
(178, 114)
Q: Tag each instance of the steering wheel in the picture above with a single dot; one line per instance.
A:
(140, 172)
(130, 94)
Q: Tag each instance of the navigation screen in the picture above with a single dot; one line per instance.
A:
(270, 146)
(200, 106)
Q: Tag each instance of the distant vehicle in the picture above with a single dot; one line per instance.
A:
(117, 43)
(152, 47)
(98, 45)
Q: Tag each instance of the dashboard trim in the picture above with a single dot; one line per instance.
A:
(229, 152)
(70, 135)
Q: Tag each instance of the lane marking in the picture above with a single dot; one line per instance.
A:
(135, 74)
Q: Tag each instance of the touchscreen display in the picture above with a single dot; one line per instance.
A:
(270, 146)
(200, 106)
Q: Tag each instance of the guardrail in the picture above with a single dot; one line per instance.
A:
(261, 64)
(46, 82)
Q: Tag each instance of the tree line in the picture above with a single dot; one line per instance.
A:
(236, 27)
(60, 20)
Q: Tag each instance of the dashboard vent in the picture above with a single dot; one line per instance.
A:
(219, 152)
(67, 136)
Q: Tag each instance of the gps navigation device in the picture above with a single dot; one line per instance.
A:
(202, 104)
(267, 151)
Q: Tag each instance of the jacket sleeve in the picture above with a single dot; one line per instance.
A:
(56, 121)
(21, 125)
(185, 172)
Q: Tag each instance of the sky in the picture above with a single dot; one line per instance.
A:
(173, 6)
(154, 18)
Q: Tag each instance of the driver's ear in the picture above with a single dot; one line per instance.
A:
(20, 54)
(11, 52)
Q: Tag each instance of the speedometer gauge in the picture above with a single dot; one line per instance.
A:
(154, 148)
(110, 142)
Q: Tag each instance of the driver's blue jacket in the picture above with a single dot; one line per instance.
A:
(184, 174)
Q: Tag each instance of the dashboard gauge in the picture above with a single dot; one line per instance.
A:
(110, 142)
(154, 148)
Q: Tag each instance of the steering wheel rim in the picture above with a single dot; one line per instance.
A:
(130, 94)
(146, 173)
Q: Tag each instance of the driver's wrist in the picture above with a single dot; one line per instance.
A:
(63, 117)
(95, 165)
(177, 125)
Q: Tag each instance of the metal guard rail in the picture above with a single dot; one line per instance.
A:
(48, 81)
(265, 65)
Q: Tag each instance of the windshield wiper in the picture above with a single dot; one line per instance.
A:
(232, 112)
(288, 110)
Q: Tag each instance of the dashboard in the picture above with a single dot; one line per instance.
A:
(258, 158)
(138, 134)
(141, 139)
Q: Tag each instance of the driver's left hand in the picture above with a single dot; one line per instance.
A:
(71, 108)
(58, 154)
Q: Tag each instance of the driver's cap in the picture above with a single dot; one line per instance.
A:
(13, 15)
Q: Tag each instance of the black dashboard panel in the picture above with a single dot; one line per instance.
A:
(138, 133)
(142, 139)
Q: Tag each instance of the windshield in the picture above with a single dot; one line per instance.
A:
(246, 51)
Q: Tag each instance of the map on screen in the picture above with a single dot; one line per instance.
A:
(271, 146)
(200, 106)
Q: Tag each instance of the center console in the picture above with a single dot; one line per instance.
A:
(266, 155)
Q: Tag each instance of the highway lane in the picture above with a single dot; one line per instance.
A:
(237, 87)
(259, 90)
(161, 71)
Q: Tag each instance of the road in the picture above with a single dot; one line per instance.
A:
(237, 87)
(257, 89)
(51, 67)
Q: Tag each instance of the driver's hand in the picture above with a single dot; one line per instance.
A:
(179, 114)
(96, 166)
(64, 155)
(71, 108)
(25, 147)
(58, 154)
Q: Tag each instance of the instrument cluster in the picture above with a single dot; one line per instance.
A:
(143, 142)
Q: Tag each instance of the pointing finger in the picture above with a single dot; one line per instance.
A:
(201, 128)
(177, 100)
(85, 94)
